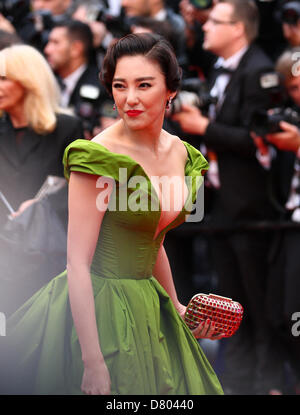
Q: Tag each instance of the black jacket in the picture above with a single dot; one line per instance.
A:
(243, 195)
(24, 167)
(89, 77)
(89, 110)
(282, 172)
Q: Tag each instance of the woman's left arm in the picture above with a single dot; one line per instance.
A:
(162, 272)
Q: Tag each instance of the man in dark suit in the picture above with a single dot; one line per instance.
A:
(239, 81)
(284, 163)
(69, 52)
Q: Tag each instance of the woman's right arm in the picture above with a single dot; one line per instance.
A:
(83, 230)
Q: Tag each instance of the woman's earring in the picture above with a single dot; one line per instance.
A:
(169, 103)
(114, 107)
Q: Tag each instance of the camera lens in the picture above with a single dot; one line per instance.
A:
(290, 13)
(290, 17)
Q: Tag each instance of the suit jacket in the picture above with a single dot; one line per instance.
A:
(282, 175)
(89, 77)
(243, 195)
(24, 168)
(179, 41)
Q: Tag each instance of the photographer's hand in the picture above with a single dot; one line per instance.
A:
(5, 25)
(260, 144)
(288, 139)
(99, 31)
(191, 120)
(187, 12)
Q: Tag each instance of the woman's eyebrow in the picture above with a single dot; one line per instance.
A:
(143, 78)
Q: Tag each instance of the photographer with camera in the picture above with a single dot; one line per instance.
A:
(282, 148)
(57, 8)
(32, 20)
(195, 14)
(16, 19)
(45, 14)
(288, 15)
(69, 52)
(158, 10)
(106, 21)
(241, 201)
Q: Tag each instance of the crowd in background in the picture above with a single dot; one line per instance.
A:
(246, 246)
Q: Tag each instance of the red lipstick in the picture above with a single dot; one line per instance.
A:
(133, 113)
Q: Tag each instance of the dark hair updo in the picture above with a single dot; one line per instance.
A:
(153, 47)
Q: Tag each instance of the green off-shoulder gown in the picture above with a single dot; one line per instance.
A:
(147, 347)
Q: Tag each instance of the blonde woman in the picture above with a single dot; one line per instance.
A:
(33, 131)
(33, 137)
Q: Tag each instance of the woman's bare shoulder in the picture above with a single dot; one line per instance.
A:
(108, 137)
(175, 144)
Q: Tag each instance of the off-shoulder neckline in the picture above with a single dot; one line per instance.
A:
(188, 159)
(186, 145)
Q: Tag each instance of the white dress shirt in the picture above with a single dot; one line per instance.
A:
(218, 90)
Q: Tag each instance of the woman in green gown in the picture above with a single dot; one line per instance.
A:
(112, 323)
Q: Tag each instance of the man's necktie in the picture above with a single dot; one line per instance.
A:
(221, 70)
(61, 83)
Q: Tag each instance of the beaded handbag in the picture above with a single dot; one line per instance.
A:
(226, 313)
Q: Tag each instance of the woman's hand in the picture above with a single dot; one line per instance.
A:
(22, 207)
(207, 330)
(181, 310)
(96, 379)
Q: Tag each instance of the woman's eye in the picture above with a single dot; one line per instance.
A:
(145, 85)
(118, 86)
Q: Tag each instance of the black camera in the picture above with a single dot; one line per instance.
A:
(93, 104)
(193, 92)
(267, 122)
(87, 108)
(290, 12)
(32, 26)
(118, 25)
(43, 20)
